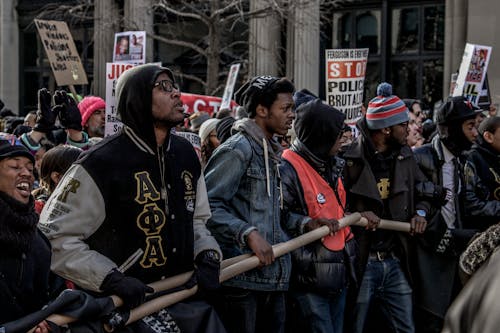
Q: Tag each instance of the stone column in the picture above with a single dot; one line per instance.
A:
(9, 55)
(264, 41)
(455, 38)
(483, 28)
(106, 23)
(303, 47)
(139, 15)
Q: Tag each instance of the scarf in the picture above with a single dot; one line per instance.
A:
(17, 224)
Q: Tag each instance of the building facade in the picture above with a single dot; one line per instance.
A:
(415, 45)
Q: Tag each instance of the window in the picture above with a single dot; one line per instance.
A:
(406, 43)
(367, 29)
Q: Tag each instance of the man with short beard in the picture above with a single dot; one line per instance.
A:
(93, 111)
(138, 198)
(381, 176)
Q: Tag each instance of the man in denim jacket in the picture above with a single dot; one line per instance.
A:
(242, 183)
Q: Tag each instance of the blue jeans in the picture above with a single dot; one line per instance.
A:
(385, 281)
(323, 314)
(250, 311)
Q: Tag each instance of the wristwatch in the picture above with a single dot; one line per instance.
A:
(421, 212)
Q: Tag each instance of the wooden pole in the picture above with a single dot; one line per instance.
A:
(73, 92)
(239, 267)
(232, 267)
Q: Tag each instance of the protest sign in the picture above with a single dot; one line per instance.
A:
(197, 103)
(61, 52)
(113, 72)
(130, 47)
(453, 83)
(192, 102)
(472, 72)
(228, 91)
(345, 76)
(485, 95)
(193, 138)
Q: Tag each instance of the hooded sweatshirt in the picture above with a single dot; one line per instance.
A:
(129, 202)
(307, 193)
(242, 182)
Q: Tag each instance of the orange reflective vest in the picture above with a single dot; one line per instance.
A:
(320, 199)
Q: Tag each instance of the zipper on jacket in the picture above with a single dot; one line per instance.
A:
(163, 190)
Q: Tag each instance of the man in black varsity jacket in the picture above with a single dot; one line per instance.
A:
(140, 191)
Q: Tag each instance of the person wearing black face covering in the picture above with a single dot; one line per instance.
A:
(442, 161)
(313, 194)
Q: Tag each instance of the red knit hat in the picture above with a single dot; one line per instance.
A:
(89, 105)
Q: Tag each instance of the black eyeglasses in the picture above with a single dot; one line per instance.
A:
(166, 85)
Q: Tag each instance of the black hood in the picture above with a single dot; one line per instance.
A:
(318, 126)
(134, 92)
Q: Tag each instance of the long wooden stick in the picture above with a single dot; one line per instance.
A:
(232, 267)
(248, 263)
(238, 268)
(386, 224)
(161, 285)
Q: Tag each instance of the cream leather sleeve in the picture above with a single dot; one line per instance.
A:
(72, 214)
(203, 239)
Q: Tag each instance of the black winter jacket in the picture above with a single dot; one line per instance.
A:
(482, 186)
(430, 159)
(363, 194)
(314, 267)
(24, 280)
(438, 249)
(24, 260)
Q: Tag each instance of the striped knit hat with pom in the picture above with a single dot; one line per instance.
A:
(386, 109)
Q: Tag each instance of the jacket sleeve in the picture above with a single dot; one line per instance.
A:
(476, 193)
(293, 211)
(74, 211)
(223, 175)
(203, 239)
(423, 188)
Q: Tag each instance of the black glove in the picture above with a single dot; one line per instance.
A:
(131, 290)
(69, 114)
(45, 116)
(208, 270)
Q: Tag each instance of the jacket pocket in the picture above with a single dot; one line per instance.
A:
(256, 188)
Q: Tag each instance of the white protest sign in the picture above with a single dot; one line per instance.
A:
(453, 83)
(130, 47)
(194, 139)
(228, 91)
(113, 72)
(345, 76)
(472, 72)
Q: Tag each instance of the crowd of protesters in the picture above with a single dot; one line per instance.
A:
(121, 212)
